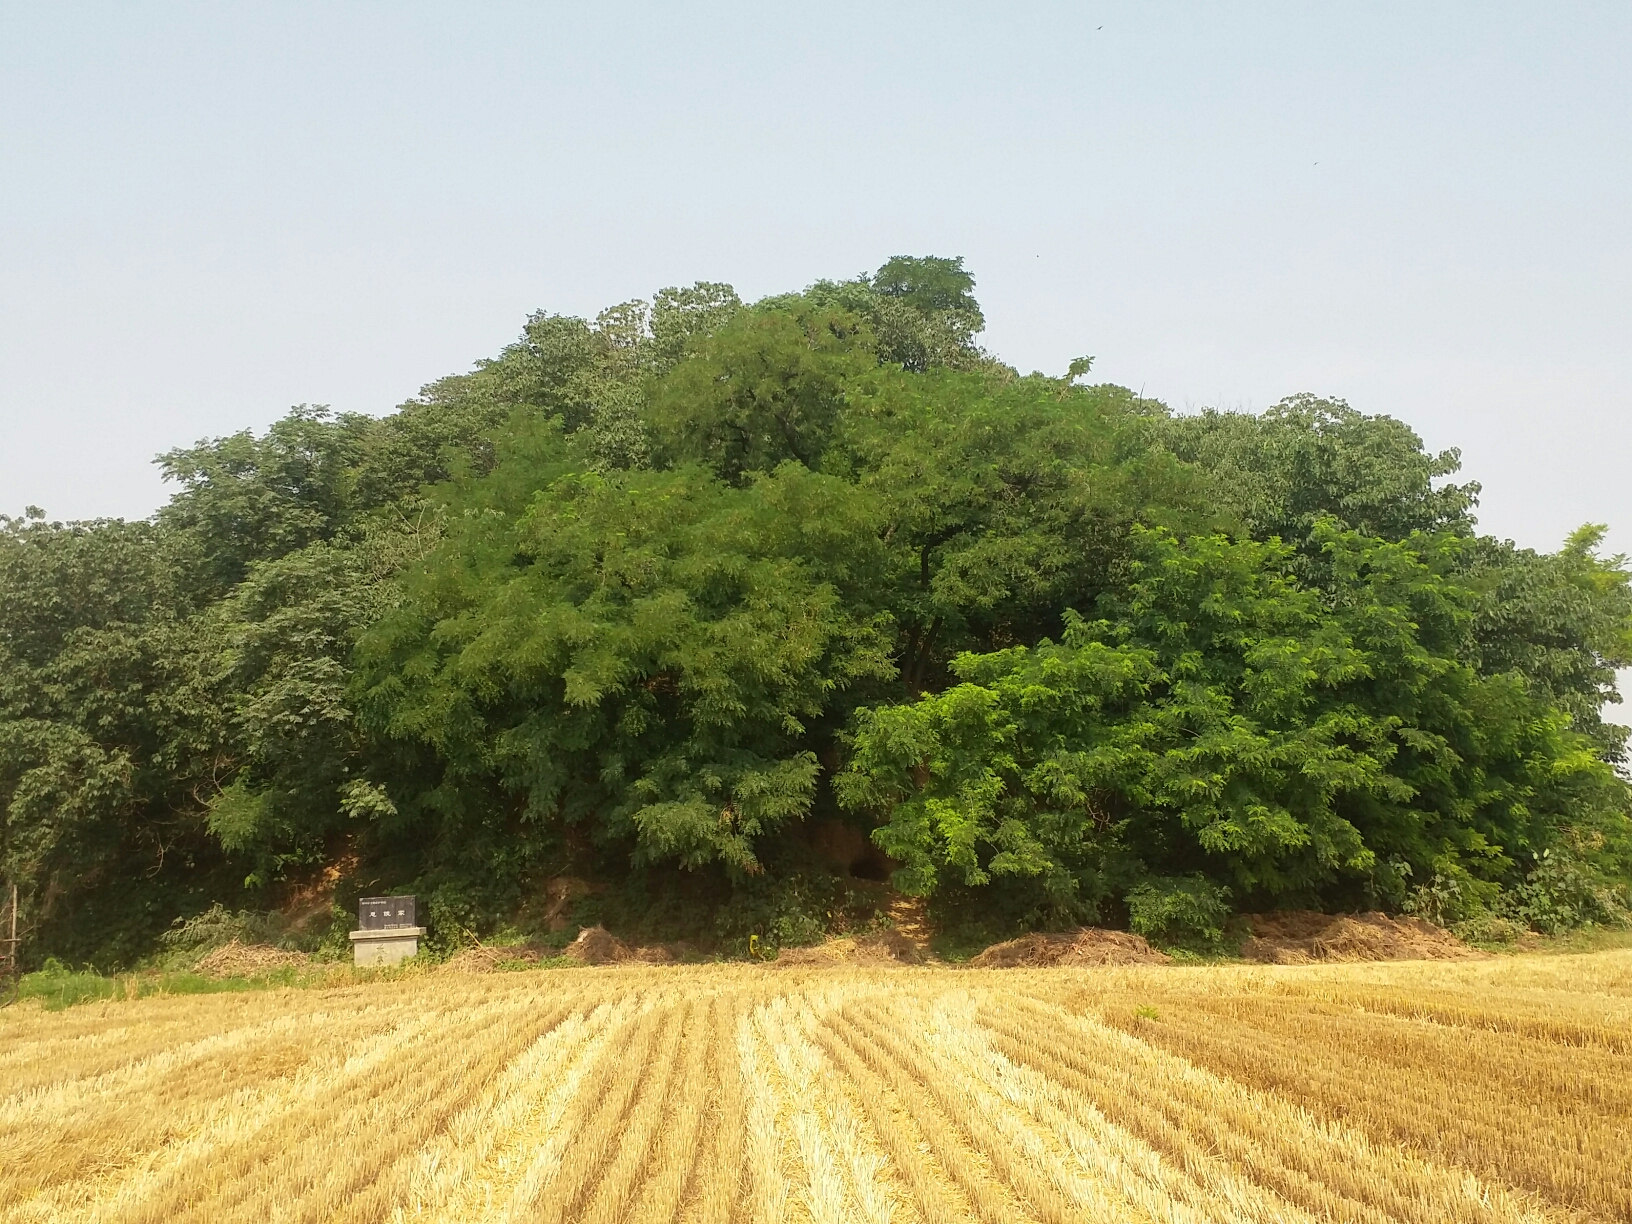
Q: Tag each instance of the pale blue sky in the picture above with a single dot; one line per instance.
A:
(210, 212)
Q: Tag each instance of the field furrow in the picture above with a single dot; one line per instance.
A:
(674, 1158)
(960, 1155)
(290, 1173)
(509, 1153)
(635, 1138)
(561, 1190)
(1329, 1170)
(717, 1188)
(1474, 1099)
(935, 1195)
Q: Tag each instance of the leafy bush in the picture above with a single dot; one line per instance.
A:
(1180, 912)
(452, 918)
(1563, 892)
(1489, 930)
(333, 942)
(1451, 896)
(796, 900)
(217, 926)
(799, 909)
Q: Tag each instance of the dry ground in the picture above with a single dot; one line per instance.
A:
(1492, 1090)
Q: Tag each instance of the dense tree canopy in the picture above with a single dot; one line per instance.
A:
(656, 597)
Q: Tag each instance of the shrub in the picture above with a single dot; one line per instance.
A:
(218, 926)
(1563, 891)
(1185, 912)
(1451, 896)
(452, 915)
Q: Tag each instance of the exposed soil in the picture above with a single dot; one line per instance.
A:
(308, 907)
(246, 960)
(910, 917)
(1302, 937)
(1089, 946)
(849, 850)
(594, 946)
(559, 895)
(1293, 937)
(904, 942)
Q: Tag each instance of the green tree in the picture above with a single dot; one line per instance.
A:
(106, 729)
(1227, 721)
(768, 386)
(645, 593)
(243, 499)
(1005, 501)
(1562, 620)
(643, 655)
(1307, 458)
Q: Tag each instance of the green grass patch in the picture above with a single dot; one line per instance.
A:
(56, 986)
(1583, 939)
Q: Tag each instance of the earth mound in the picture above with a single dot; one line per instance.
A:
(1303, 937)
(1088, 946)
(598, 946)
(234, 959)
(888, 948)
(594, 946)
(483, 959)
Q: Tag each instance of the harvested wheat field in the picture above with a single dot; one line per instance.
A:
(1480, 1090)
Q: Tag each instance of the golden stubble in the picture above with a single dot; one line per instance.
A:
(1488, 1092)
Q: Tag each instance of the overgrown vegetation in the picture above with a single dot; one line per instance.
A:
(682, 598)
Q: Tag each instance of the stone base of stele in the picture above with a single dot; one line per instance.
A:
(385, 947)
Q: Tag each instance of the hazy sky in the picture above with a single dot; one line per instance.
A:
(211, 212)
